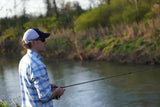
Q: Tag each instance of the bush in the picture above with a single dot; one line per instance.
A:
(11, 33)
(3, 104)
(119, 11)
(101, 45)
(49, 23)
(43, 23)
(93, 18)
(59, 45)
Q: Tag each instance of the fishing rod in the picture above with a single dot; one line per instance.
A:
(105, 78)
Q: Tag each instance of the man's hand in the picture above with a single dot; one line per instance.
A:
(57, 91)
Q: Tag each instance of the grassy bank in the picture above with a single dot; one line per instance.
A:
(124, 43)
(122, 31)
(3, 104)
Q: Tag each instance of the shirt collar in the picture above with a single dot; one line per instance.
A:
(33, 53)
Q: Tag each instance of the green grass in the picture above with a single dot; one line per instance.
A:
(3, 104)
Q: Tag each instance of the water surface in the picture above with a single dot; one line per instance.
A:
(139, 89)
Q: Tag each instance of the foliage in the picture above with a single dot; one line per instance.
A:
(119, 11)
(11, 33)
(124, 30)
(12, 22)
(93, 18)
(46, 23)
(101, 45)
(59, 46)
(3, 104)
(50, 23)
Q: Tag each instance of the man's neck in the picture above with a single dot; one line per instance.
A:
(35, 50)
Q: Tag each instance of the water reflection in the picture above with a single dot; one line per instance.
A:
(139, 89)
(9, 81)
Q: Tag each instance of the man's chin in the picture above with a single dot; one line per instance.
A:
(43, 52)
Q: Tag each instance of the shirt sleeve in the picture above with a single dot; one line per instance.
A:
(41, 83)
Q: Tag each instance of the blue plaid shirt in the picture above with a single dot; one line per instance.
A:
(34, 81)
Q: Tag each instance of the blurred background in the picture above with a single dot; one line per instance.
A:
(89, 39)
(126, 31)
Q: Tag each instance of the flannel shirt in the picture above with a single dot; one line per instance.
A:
(34, 81)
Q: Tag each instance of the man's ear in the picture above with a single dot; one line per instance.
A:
(32, 43)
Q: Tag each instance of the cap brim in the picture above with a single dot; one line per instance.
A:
(45, 35)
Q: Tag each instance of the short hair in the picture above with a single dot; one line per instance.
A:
(26, 45)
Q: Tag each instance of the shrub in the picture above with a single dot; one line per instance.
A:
(94, 18)
(44, 23)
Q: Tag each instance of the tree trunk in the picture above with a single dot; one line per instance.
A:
(48, 8)
(108, 2)
(55, 8)
(24, 8)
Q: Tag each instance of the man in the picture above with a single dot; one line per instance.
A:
(36, 90)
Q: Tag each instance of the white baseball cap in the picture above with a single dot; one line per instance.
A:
(32, 34)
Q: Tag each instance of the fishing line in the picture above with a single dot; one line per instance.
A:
(109, 77)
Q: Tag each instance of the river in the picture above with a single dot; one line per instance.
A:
(141, 89)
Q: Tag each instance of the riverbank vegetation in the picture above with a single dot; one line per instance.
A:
(125, 31)
(3, 104)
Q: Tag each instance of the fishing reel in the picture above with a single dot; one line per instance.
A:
(56, 97)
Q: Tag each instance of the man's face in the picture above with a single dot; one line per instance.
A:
(39, 45)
